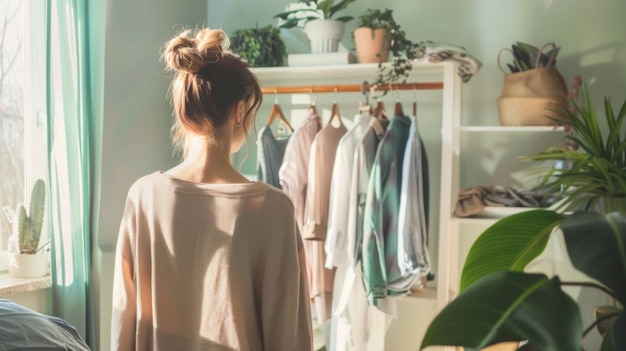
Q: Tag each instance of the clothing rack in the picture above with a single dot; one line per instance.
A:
(342, 88)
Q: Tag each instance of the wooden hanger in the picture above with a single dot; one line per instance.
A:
(397, 108)
(334, 112)
(414, 102)
(312, 107)
(379, 110)
(277, 111)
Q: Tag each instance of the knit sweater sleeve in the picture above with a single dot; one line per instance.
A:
(286, 313)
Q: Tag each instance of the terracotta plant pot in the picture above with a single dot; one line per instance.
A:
(28, 265)
(372, 46)
(324, 35)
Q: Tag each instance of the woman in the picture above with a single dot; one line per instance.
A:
(206, 259)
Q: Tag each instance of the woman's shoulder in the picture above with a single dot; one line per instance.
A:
(141, 183)
(278, 197)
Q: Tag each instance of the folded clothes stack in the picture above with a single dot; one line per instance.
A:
(473, 200)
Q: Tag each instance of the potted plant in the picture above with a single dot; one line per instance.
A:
(25, 257)
(500, 302)
(260, 47)
(373, 34)
(595, 172)
(402, 49)
(317, 17)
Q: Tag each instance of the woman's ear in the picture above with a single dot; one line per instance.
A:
(241, 109)
(240, 113)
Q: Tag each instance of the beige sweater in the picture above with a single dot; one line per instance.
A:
(209, 267)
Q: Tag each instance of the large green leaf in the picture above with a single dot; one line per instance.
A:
(619, 332)
(509, 244)
(597, 247)
(509, 306)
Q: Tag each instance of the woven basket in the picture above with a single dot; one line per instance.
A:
(535, 97)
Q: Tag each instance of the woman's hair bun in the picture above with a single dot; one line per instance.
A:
(191, 54)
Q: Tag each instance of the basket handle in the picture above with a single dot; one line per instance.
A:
(514, 60)
(551, 59)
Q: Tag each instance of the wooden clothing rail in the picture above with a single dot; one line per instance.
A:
(342, 88)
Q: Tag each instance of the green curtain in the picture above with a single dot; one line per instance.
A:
(70, 120)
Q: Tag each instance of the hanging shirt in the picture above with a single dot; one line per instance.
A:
(293, 175)
(381, 225)
(364, 155)
(323, 152)
(335, 243)
(340, 201)
(294, 171)
(360, 327)
(270, 153)
(412, 250)
(322, 160)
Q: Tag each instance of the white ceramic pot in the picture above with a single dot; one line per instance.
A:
(324, 35)
(28, 266)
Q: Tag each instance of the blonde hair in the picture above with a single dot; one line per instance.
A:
(209, 81)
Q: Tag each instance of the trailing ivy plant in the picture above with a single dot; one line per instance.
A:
(403, 50)
(260, 47)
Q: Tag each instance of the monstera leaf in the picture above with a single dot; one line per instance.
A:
(596, 244)
(509, 306)
(509, 244)
(500, 303)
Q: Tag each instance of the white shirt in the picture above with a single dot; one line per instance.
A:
(341, 200)
(359, 326)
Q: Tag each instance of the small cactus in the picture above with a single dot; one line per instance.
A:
(28, 227)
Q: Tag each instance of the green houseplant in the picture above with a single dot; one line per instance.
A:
(309, 10)
(596, 162)
(372, 35)
(499, 302)
(319, 21)
(25, 258)
(396, 43)
(261, 47)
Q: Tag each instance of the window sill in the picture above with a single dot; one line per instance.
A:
(11, 286)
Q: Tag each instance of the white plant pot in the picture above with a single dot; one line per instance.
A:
(324, 35)
(28, 266)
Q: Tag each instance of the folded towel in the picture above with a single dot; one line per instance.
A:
(467, 65)
(473, 200)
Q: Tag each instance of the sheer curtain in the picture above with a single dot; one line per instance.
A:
(70, 129)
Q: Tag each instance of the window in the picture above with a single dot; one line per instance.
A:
(22, 104)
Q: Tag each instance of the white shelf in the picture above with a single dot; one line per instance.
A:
(429, 294)
(507, 129)
(356, 70)
(474, 220)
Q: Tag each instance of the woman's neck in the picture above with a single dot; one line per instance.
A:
(207, 161)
